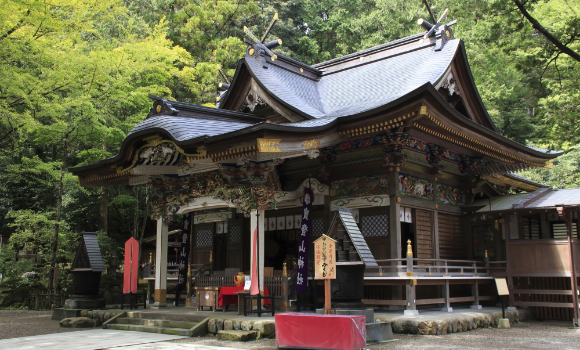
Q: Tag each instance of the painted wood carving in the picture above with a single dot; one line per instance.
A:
(360, 186)
(412, 186)
(450, 195)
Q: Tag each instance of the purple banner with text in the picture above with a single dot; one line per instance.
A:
(184, 252)
(304, 242)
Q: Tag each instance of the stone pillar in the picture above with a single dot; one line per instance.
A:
(161, 265)
(260, 224)
(411, 308)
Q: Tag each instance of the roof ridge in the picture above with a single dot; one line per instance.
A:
(380, 47)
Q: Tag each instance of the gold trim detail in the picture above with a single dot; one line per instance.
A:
(310, 144)
(269, 145)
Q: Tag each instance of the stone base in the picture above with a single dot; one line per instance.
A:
(369, 314)
(379, 332)
(87, 304)
(159, 305)
(511, 308)
(62, 313)
(475, 307)
(504, 323)
(447, 309)
(411, 313)
(237, 335)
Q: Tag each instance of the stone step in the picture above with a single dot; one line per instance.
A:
(149, 329)
(237, 335)
(157, 323)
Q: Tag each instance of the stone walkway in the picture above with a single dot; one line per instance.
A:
(84, 340)
(173, 346)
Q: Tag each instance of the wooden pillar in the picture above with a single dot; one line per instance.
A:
(475, 289)
(395, 230)
(568, 220)
(447, 307)
(161, 265)
(510, 280)
(260, 225)
(411, 307)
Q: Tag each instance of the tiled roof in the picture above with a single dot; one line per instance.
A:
(188, 128)
(546, 198)
(360, 88)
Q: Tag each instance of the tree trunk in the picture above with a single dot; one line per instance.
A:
(51, 285)
(103, 209)
(145, 215)
(136, 215)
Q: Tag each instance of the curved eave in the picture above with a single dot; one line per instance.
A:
(427, 90)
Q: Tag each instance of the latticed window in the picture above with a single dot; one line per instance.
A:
(559, 230)
(317, 227)
(204, 238)
(235, 234)
(375, 225)
(531, 227)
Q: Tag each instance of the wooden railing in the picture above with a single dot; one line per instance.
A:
(275, 284)
(435, 268)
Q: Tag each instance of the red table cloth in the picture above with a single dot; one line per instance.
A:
(314, 331)
(230, 295)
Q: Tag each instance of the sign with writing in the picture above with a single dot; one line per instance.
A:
(184, 252)
(324, 258)
(502, 287)
(304, 242)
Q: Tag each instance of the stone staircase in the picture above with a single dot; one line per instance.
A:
(152, 323)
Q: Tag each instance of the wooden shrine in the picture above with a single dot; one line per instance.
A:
(398, 136)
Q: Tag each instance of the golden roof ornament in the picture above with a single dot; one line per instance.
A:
(260, 44)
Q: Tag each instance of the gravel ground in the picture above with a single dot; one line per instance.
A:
(24, 323)
(524, 335)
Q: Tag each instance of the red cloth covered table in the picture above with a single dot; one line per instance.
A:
(230, 296)
(313, 331)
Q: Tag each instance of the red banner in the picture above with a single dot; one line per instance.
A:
(131, 269)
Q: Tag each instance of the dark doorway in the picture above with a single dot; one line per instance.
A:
(407, 234)
(221, 252)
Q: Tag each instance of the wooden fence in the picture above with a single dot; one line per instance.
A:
(40, 300)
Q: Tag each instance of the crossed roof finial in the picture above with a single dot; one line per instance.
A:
(433, 29)
(259, 43)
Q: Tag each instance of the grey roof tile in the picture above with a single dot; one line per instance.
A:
(187, 128)
(357, 89)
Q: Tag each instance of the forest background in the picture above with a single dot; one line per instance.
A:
(75, 75)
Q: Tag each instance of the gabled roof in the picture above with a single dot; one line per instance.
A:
(345, 217)
(89, 254)
(356, 83)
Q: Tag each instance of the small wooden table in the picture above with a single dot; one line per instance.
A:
(241, 299)
(207, 296)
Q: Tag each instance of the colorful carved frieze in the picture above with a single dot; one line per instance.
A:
(470, 164)
(423, 146)
(360, 186)
(250, 186)
(412, 186)
(450, 195)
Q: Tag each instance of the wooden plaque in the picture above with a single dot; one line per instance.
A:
(502, 287)
(324, 258)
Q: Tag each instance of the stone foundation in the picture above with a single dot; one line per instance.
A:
(437, 325)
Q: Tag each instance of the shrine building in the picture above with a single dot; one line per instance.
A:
(397, 134)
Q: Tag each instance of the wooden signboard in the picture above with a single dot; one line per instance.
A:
(325, 265)
(502, 287)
